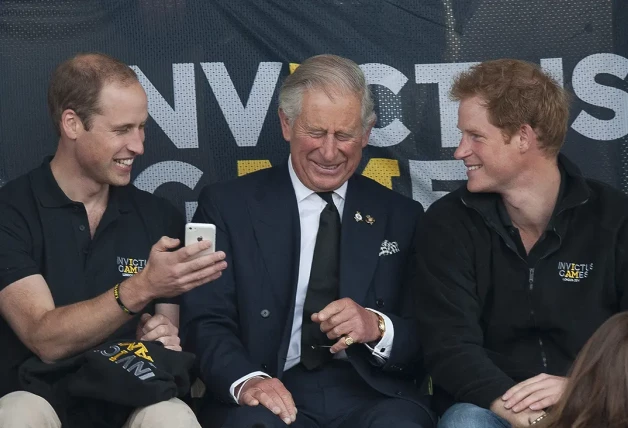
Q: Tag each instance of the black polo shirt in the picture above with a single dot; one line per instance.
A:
(43, 232)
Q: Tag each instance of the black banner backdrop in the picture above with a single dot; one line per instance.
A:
(212, 69)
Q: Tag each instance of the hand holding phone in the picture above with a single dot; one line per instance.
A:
(197, 232)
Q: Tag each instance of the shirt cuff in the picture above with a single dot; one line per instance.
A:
(383, 348)
(244, 379)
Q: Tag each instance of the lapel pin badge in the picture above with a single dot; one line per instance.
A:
(369, 220)
(357, 216)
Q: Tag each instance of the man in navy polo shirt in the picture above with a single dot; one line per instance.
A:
(83, 250)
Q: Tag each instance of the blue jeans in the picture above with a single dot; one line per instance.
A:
(465, 415)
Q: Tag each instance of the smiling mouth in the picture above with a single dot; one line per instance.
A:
(474, 167)
(124, 162)
(327, 167)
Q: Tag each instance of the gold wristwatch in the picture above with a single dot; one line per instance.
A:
(381, 325)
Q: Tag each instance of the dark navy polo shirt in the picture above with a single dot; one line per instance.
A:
(43, 232)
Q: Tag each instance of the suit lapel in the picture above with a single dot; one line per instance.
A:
(275, 219)
(360, 241)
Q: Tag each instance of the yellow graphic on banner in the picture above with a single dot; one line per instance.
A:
(293, 66)
(249, 166)
(379, 169)
(382, 170)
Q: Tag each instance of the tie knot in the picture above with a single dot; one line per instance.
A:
(326, 196)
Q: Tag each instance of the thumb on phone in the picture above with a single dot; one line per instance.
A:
(165, 244)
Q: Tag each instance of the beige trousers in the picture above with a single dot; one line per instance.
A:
(25, 410)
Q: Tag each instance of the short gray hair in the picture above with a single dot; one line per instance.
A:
(333, 75)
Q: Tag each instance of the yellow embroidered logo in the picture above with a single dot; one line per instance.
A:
(130, 356)
(136, 348)
(574, 272)
(129, 266)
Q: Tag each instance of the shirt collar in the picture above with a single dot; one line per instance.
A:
(302, 192)
(50, 194)
(46, 187)
(504, 217)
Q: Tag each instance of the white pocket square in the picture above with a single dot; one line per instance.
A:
(388, 248)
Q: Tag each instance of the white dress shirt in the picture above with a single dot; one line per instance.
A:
(310, 206)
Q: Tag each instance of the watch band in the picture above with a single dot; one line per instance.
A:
(381, 325)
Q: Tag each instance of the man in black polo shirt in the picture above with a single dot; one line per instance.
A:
(82, 250)
(521, 265)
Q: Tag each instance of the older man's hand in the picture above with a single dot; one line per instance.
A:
(272, 394)
(344, 318)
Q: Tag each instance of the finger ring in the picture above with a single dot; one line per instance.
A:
(349, 340)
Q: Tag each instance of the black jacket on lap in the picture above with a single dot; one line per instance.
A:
(102, 386)
(491, 315)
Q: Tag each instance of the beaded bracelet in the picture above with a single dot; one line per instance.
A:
(116, 294)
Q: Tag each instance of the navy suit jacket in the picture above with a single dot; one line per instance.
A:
(241, 322)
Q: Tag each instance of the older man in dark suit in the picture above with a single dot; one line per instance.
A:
(312, 314)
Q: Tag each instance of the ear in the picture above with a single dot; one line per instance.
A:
(527, 138)
(286, 128)
(367, 135)
(70, 124)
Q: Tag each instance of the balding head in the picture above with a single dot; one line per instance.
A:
(77, 82)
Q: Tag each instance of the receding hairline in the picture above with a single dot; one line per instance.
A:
(333, 91)
(109, 67)
(77, 82)
(333, 75)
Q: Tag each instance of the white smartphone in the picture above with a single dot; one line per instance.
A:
(197, 232)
